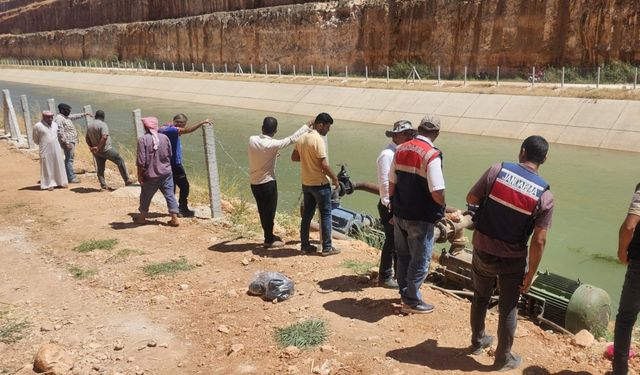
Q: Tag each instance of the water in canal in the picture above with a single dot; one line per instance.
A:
(592, 187)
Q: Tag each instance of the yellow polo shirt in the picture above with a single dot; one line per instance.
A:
(312, 150)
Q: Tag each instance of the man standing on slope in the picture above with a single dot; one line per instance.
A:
(629, 255)
(263, 153)
(68, 137)
(45, 135)
(416, 190)
(317, 178)
(173, 132)
(514, 202)
(401, 133)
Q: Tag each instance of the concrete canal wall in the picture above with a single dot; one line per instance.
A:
(609, 124)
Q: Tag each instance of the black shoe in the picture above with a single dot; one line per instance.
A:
(388, 283)
(513, 361)
(484, 343)
(275, 242)
(332, 251)
(308, 249)
(186, 213)
(421, 308)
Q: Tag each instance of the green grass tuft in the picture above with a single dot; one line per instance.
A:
(11, 330)
(167, 267)
(360, 268)
(91, 245)
(123, 254)
(80, 273)
(302, 335)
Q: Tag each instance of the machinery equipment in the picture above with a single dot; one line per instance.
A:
(564, 304)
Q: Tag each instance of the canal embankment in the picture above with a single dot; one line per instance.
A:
(599, 123)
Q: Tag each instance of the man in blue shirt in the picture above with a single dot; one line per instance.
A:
(173, 132)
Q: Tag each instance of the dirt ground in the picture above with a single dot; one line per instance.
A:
(202, 321)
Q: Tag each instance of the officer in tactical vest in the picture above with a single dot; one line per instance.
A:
(629, 254)
(515, 202)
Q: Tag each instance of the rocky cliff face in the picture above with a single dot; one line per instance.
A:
(480, 34)
(29, 16)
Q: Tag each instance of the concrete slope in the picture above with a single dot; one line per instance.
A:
(610, 124)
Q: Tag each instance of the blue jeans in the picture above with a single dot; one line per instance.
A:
(626, 318)
(68, 161)
(320, 196)
(414, 243)
(509, 272)
(149, 188)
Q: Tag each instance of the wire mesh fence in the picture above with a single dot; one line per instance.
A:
(613, 73)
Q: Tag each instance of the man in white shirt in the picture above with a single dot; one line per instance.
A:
(402, 132)
(263, 153)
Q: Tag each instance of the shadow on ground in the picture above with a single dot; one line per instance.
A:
(150, 215)
(538, 370)
(345, 283)
(229, 246)
(366, 309)
(430, 355)
(84, 190)
(119, 225)
(33, 187)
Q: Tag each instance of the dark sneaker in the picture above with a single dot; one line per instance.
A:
(308, 249)
(484, 343)
(389, 284)
(421, 308)
(186, 213)
(332, 251)
(277, 242)
(513, 361)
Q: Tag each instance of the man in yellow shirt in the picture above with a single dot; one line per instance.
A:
(317, 178)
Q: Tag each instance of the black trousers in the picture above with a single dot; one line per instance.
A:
(266, 196)
(388, 255)
(180, 181)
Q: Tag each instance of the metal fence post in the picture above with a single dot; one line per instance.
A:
(213, 68)
(154, 66)
(311, 71)
(27, 120)
(251, 69)
(598, 78)
(327, 71)
(146, 67)
(137, 123)
(265, 70)
(438, 75)
(562, 78)
(346, 72)
(366, 72)
(183, 66)
(225, 68)
(387, 73)
(13, 119)
(533, 76)
(173, 66)
(193, 67)
(212, 170)
(498, 75)
(279, 70)
(465, 75)
(202, 67)
(635, 78)
(294, 70)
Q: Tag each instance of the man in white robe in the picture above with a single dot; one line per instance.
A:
(52, 172)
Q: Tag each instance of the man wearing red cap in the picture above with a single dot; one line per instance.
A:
(52, 172)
